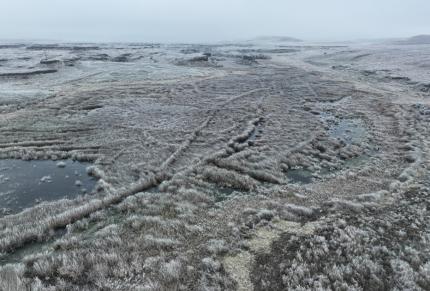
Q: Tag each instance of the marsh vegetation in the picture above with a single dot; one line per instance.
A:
(254, 165)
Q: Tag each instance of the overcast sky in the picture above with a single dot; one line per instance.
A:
(211, 20)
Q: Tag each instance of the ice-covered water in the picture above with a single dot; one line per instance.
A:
(300, 176)
(25, 183)
(350, 131)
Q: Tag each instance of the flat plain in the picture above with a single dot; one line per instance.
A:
(266, 165)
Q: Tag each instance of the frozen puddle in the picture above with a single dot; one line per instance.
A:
(26, 183)
(350, 131)
(300, 176)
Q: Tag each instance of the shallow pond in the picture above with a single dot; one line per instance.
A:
(350, 131)
(26, 183)
(300, 176)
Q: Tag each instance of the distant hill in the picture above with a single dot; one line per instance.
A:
(277, 39)
(418, 39)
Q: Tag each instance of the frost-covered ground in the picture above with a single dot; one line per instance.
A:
(270, 166)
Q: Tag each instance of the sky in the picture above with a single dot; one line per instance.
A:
(211, 20)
